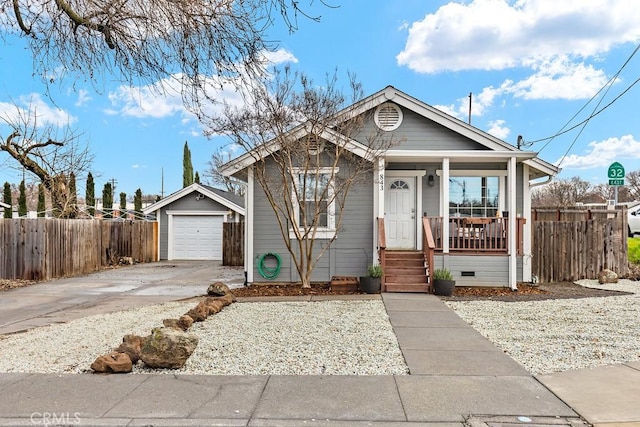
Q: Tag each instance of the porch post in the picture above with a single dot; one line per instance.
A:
(526, 233)
(511, 177)
(248, 226)
(444, 205)
(378, 203)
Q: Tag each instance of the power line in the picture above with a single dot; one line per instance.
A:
(608, 86)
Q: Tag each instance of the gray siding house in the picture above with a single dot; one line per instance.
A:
(190, 222)
(446, 190)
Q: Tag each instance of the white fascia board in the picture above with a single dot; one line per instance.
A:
(458, 155)
(543, 167)
(195, 187)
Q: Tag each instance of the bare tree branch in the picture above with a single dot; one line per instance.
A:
(50, 155)
(302, 165)
(199, 43)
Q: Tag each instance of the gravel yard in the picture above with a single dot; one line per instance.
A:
(286, 338)
(344, 337)
(562, 334)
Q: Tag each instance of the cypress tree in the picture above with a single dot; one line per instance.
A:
(196, 178)
(187, 167)
(90, 196)
(123, 205)
(42, 207)
(7, 199)
(73, 197)
(137, 202)
(107, 200)
(22, 200)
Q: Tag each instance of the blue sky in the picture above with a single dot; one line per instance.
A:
(530, 65)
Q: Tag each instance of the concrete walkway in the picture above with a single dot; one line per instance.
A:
(457, 376)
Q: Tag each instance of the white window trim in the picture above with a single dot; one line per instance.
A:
(321, 232)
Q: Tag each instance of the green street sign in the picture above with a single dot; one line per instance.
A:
(616, 174)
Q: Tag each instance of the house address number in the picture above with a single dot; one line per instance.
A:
(381, 182)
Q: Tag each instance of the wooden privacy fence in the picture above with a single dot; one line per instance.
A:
(43, 248)
(574, 244)
(233, 243)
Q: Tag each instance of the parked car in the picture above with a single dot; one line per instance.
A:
(634, 220)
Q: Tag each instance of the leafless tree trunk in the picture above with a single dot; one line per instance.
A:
(305, 162)
(49, 155)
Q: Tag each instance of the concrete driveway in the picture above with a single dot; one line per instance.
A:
(61, 300)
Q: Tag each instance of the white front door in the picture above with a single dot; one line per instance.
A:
(400, 212)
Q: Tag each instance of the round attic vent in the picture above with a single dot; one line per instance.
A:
(388, 116)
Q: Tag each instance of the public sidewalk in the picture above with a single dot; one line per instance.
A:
(456, 376)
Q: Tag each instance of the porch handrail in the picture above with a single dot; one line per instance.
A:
(428, 246)
(382, 246)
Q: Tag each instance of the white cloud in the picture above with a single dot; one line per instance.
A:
(83, 98)
(558, 78)
(500, 34)
(479, 104)
(498, 129)
(164, 98)
(280, 56)
(158, 101)
(603, 153)
(33, 108)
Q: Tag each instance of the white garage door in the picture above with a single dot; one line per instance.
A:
(197, 237)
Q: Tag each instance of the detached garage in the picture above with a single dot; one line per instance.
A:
(190, 222)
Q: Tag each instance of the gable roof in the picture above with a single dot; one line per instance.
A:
(4, 205)
(225, 198)
(494, 145)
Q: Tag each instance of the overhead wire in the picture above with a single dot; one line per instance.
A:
(594, 113)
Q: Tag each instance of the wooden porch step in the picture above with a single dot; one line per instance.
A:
(405, 278)
(407, 287)
(392, 255)
(401, 270)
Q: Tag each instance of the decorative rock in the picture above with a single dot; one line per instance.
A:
(171, 323)
(218, 289)
(607, 276)
(183, 323)
(167, 348)
(199, 313)
(214, 306)
(225, 300)
(113, 363)
(131, 345)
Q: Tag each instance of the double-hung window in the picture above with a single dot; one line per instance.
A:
(315, 208)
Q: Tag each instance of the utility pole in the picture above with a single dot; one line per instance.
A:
(470, 98)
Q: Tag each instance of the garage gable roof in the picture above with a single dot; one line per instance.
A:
(225, 198)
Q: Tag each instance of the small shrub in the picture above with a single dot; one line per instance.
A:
(442, 274)
(375, 270)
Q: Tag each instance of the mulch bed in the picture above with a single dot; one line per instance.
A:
(524, 292)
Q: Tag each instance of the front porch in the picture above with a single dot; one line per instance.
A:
(412, 271)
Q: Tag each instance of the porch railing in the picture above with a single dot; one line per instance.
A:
(428, 246)
(477, 234)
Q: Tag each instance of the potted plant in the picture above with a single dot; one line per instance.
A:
(443, 283)
(370, 284)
